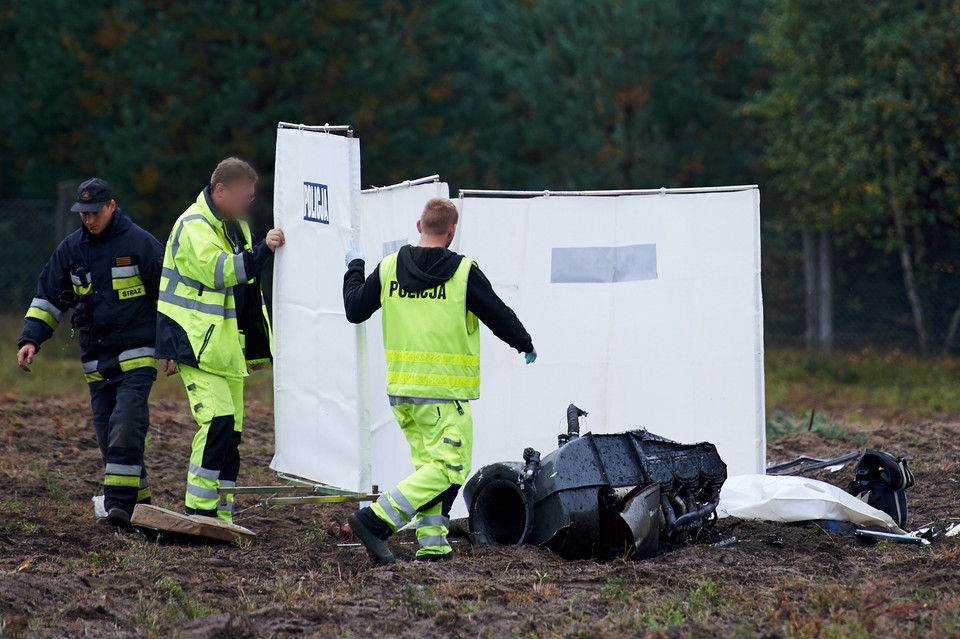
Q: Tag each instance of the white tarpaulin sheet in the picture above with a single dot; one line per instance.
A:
(388, 221)
(776, 498)
(316, 196)
(645, 311)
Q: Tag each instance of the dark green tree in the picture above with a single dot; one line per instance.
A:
(864, 138)
(623, 93)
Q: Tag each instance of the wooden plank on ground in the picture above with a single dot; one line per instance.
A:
(167, 520)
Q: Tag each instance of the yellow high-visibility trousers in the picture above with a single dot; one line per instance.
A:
(440, 436)
(217, 406)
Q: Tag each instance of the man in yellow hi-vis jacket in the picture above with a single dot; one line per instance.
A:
(431, 300)
(212, 324)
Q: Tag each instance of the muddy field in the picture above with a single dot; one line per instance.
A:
(62, 575)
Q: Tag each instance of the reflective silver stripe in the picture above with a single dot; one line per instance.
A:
(133, 353)
(226, 483)
(457, 468)
(44, 305)
(433, 520)
(203, 493)
(175, 276)
(405, 505)
(240, 268)
(433, 541)
(391, 511)
(125, 271)
(397, 400)
(205, 473)
(197, 305)
(176, 237)
(90, 367)
(124, 469)
(227, 507)
(75, 280)
(455, 444)
(218, 281)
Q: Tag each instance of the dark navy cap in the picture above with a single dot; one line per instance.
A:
(92, 195)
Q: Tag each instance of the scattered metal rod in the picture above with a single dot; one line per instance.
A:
(316, 499)
(774, 540)
(296, 489)
(729, 541)
(806, 463)
(903, 539)
(300, 491)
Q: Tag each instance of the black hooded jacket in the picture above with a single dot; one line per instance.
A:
(421, 268)
(116, 323)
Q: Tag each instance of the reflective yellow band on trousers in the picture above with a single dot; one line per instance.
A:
(121, 480)
(129, 360)
(139, 362)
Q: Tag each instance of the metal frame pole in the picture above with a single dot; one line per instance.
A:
(424, 180)
(660, 191)
(325, 128)
(298, 491)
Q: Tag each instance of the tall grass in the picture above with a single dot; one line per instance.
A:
(863, 384)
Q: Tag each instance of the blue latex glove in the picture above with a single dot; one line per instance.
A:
(531, 357)
(353, 254)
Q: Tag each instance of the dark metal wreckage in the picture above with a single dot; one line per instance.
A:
(601, 496)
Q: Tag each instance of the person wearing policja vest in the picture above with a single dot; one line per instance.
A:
(212, 325)
(432, 299)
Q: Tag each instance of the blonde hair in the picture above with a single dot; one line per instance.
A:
(439, 214)
(231, 170)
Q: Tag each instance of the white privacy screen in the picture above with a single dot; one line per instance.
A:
(645, 311)
(316, 197)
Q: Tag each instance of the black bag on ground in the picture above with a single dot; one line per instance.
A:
(880, 479)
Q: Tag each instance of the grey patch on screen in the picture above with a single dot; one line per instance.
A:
(390, 248)
(604, 264)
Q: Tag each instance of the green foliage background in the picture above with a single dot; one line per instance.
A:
(845, 113)
(560, 94)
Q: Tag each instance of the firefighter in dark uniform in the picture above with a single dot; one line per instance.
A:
(108, 272)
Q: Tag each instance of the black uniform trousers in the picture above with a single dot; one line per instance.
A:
(121, 416)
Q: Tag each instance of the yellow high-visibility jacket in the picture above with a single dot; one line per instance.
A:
(205, 269)
(432, 341)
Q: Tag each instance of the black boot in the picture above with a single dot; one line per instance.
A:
(435, 558)
(117, 517)
(372, 536)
